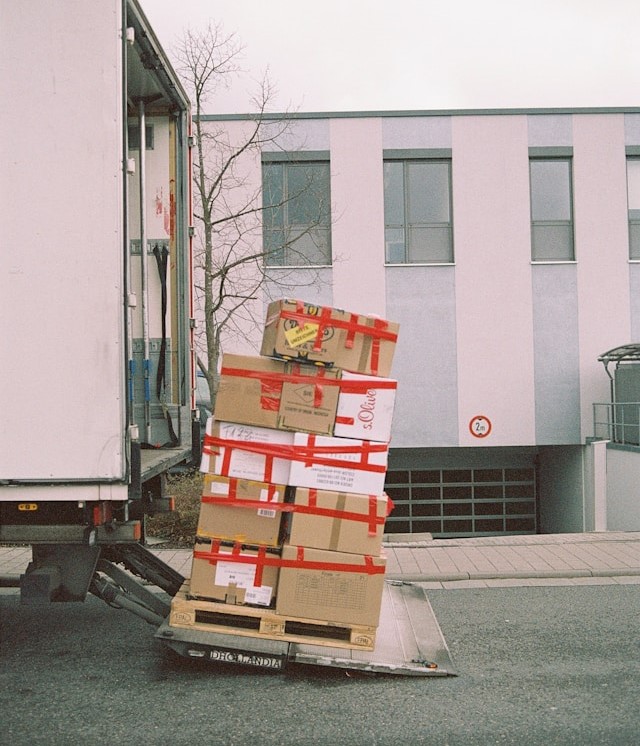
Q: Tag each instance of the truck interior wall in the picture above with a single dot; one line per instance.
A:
(158, 218)
(160, 171)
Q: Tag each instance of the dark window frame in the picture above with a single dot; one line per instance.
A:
(540, 253)
(280, 223)
(633, 213)
(399, 233)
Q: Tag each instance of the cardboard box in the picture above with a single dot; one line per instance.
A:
(339, 464)
(263, 392)
(365, 407)
(234, 573)
(300, 459)
(241, 510)
(332, 586)
(337, 521)
(330, 336)
(247, 452)
(271, 393)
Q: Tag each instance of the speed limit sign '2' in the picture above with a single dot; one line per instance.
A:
(480, 426)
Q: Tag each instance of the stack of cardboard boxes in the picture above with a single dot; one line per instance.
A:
(293, 505)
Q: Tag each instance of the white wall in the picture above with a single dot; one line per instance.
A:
(357, 233)
(493, 278)
(602, 250)
(623, 490)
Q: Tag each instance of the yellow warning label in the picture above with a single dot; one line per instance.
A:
(299, 336)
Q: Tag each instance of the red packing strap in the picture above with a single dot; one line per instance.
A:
(310, 454)
(257, 580)
(233, 487)
(325, 320)
(348, 387)
(379, 330)
(270, 394)
(390, 505)
(271, 383)
(311, 442)
(269, 404)
(345, 420)
(371, 517)
(351, 333)
(263, 560)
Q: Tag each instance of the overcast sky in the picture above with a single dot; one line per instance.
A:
(375, 55)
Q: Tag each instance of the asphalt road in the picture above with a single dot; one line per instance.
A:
(553, 665)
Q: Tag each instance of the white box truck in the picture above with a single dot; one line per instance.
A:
(96, 394)
(97, 389)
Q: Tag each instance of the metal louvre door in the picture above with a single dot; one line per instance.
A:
(462, 502)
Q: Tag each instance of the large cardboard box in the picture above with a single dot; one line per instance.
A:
(271, 393)
(339, 464)
(300, 459)
(300, 397)
(330, 336)
(234, 573)
(332, 586)
(241, 510)
(337, 521)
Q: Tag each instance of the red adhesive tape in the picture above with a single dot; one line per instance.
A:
(262, 560)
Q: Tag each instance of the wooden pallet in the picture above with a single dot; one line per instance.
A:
(250, 621)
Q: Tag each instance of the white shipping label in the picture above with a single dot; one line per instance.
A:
(235, 573)
(260, 596)
(219, 488)
(264, 497)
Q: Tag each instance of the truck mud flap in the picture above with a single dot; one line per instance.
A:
(409, 642)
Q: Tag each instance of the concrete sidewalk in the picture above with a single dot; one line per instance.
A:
(540, 559)
(499, 561)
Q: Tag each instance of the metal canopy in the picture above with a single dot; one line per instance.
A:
(624, 354)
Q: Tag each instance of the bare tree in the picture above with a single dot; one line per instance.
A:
(230, 257)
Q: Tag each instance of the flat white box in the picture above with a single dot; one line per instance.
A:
(224, 454)
(339, 464)
(365, 413)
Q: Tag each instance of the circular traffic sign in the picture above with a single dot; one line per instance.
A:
(480, 426)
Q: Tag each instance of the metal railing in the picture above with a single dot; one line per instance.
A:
(619, 422)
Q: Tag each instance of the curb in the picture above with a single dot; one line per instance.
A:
(529, 575)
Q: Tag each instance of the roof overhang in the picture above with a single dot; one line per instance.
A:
(150, 75)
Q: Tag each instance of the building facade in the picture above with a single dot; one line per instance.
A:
(506, 246)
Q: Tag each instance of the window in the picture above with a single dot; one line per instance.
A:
(633, 200)
(551, 210)
(133, 136)
(417, 211)
(297, 213)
